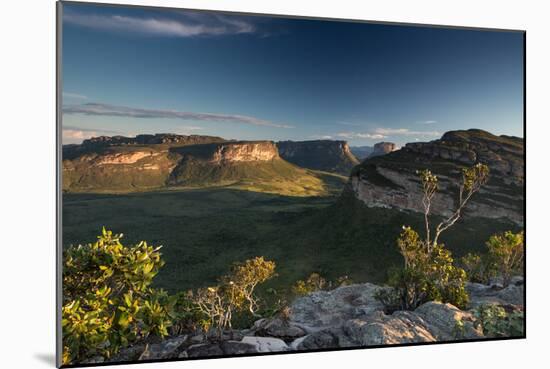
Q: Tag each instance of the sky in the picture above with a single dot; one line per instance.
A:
(128, 71)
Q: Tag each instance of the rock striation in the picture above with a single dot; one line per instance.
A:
(390, 181)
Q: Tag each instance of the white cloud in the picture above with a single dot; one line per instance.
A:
(71, 134)
(124, 111)
(405, 132)
(71, 95)
(429, 122)
(189, 25)
(321, 137)
(355, 135)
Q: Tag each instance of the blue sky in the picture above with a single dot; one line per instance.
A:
(143, 70)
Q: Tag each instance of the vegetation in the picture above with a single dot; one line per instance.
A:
(506, 252)
(497, 322)
(315, 282)
(428, 271)
(234, 293)
(477, 268)
(504, 258)
(107, 299)
(204, 231)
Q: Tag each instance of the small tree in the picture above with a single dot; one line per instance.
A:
(234, 293)
(107, 301)
(428, 272)
(506, 252)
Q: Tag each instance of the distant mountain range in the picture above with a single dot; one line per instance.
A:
(385, 179)
(165, 161)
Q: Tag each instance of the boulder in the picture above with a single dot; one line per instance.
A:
(221, 349)
(324, 309)
(279, 328)
(494, 293)
(447, 322)
(167, 349)
(266, 344)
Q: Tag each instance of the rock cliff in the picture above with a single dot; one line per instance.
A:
(325, 155)
(390, 181)
(382, 148)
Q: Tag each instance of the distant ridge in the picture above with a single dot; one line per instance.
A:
(325, 155)
(152, 162)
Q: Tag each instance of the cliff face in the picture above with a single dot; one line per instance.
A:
(325, 155)
(390, 181)
(149, 162)
(250, 151)
(383, 148)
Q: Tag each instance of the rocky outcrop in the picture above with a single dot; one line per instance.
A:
(348, 316)
(382, 148)
(230, 152)
(325, 155)
(390, 181)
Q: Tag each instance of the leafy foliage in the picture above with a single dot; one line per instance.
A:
(477, 268)
(428, 272)
(426, 276)
(107, 301)
(506, 252)
(234, 293)
(497, 322)
(315, 282)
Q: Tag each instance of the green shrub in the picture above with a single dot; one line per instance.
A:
(506, 252)
(107, 301)
(426, 276)
(313, 283)
(477, 268)
(234, 293)
(497, 322)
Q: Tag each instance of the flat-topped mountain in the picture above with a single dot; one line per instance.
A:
(325, 155)
(147, 139)
(390, 181)
(382, 148)
(152, 162)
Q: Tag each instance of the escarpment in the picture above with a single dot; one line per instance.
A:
(152, 162)
(325, 155)
(390, 181)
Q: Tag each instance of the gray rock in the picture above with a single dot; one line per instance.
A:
(167, 349)
(324, 309)
(382, 329)
(277, 327)
(221, 349)
(266, 344)
(447, 322)
(481, 294)
(204, 350)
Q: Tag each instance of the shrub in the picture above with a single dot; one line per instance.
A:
(477, 268)
(313, 283)
(497, 322)
(506, 252)
(234, 293)
(107, 301)
(426, 276)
